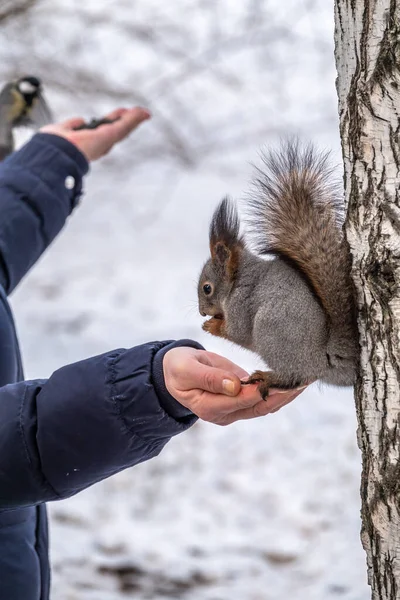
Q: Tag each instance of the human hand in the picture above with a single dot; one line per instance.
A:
(94, 143)
(209, 385)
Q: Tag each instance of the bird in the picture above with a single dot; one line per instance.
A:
(21, 104)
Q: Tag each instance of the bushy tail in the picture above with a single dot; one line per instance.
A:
(297, 214)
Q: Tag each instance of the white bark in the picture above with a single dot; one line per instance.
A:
(368, 58)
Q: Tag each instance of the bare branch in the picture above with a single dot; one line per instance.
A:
(12, 9)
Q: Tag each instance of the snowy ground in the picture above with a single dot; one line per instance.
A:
(267, 509)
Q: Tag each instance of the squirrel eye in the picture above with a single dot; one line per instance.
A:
(207, 289)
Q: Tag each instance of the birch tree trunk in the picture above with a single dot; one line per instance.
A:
(367, 36)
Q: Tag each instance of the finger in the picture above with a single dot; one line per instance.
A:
(278, 403)
(215, 360)
(215, 407)
(275, 401)
(297, 390)
(276, 396)
(260, 409)
(72, 123)
(210, 379)
(128, 120)
(117, 112)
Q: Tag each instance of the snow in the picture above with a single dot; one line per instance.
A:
(262, 509)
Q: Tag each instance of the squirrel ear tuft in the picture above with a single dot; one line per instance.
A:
(225, 240)
(225, 225)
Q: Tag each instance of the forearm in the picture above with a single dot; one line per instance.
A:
(86, 422)
(39, 187)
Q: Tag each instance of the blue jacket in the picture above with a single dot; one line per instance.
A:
(90, 419)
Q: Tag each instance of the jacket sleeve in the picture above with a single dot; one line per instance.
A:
(39, 187)
(88, 421)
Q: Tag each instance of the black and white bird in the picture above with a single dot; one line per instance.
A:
(21, 105)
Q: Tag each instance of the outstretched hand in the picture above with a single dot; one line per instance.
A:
(209, 385)
(94, 143)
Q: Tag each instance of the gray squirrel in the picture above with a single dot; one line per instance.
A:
(296, 311)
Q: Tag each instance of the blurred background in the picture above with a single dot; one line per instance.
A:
(265, 509)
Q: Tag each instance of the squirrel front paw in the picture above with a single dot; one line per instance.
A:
(265, 381)
(215, 327)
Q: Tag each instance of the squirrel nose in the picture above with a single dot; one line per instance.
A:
(203, 314)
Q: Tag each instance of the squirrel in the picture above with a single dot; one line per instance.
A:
(296, 311)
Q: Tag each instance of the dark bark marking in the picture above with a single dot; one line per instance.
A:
(378, 272)
(387, 65)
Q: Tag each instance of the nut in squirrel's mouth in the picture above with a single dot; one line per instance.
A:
(218, 316)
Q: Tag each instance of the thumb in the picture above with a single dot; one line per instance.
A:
(216, 381)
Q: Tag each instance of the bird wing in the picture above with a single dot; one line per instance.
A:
(39, 115)
(11, 104)
(9, 108)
